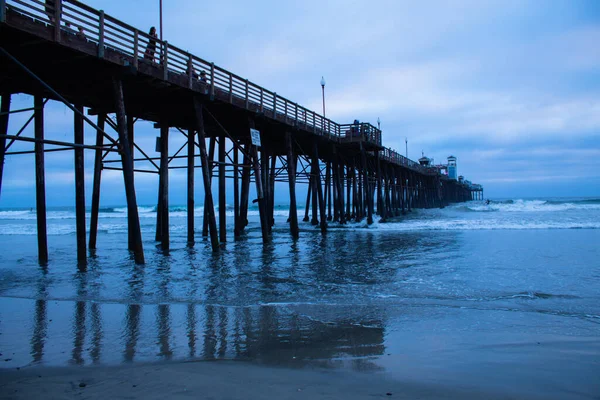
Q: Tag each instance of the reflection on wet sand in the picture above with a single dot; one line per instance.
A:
(267, 334)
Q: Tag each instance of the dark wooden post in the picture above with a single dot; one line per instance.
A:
(130, 132)
(190, 186)
(308, 193)
(380, 205)
(328, 190)
(97, 179)
(315, 180)
(340, 186)
(40, 182)
(211, 157)
(236, 192)
(163, 181)
(127, 164)
(208, 199)
(79, 187)
(222, 198)
(5, 112)
(266, 188)
(260, 194)
(348, 192)
(291, 169)
(271, 212)
(367, 186)
(318, 188)
(245, 197)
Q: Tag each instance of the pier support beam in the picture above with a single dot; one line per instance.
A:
(4, 114)
(127, 164)
(245, 197)
(236, 192)
(191, 150)
(222, 198)
(291, 170)
(40, 181)
(211, 157)
(163, 182)
(206, 175)
(79, 188)
(318, 188)
(96, 184)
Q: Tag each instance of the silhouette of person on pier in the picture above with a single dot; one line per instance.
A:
(151, 48)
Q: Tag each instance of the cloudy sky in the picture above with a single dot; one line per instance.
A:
(512, 88)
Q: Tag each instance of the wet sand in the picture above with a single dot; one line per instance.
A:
(224, 380)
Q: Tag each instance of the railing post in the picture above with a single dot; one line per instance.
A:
(101, 35)
(296, 113)
(261, 99)
(246, 94)
(275, 105)
(314, 121)
(230, 88)
(190, 71)
(212, 81)
(165, 60)
(136, 47)
(285, 110)
(57, 19)
(2, 10)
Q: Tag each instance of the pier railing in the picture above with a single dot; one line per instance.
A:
(130, 46)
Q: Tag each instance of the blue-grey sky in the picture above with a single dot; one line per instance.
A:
(510, 87)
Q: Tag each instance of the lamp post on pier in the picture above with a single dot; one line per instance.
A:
(323, 89)
(406, 142)
(378, 123)
(161, 24)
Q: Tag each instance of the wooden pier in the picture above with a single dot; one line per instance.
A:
(122, 75)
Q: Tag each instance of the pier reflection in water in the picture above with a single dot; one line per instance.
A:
(318, 299)
(272, 334)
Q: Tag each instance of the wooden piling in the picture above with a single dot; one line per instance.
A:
(127, 165)
(315, 180)
(206, 175)
(40, 182)
(236, 193)
(191, 150)
(245, 195)
(328, 191)
(4, 114)
(308, 193)
(211, 157)
(367, 187)
(97, 179)
(271, 213)
(319, 187)
(163, 181)
(291, 169)
(131, 133)
(222, 198)
(79, 187)
(260, 194)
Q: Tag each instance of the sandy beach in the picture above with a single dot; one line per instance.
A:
(224, 380)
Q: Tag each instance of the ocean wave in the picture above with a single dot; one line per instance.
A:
(521, 205)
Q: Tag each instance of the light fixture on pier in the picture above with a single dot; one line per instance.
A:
(161, 14)
(378, 123)
(323, 89)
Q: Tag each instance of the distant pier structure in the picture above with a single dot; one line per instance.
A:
(66, 51)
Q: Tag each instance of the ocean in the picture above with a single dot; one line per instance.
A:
(505, 294)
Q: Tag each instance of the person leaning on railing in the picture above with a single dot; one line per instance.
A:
(151, 48)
